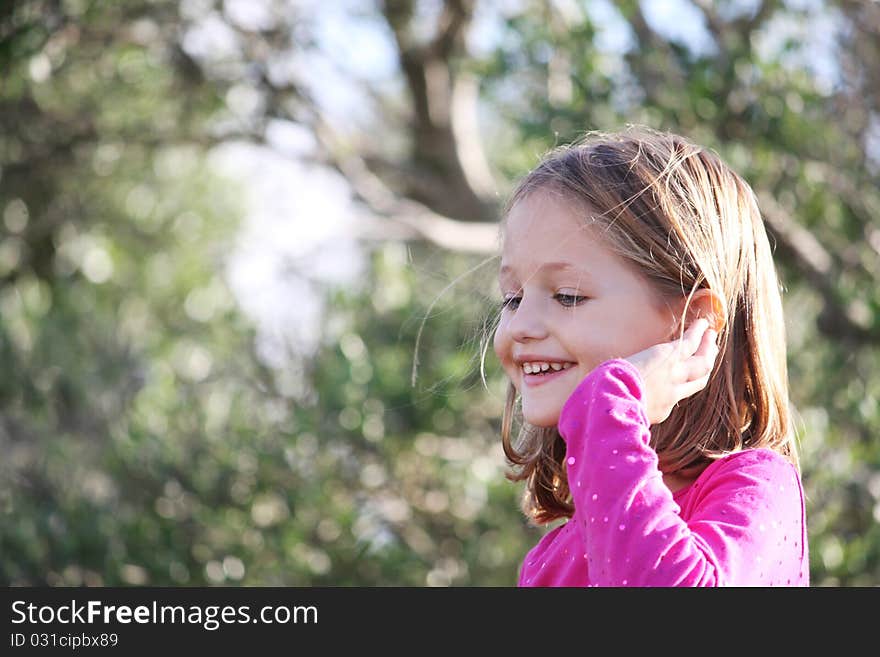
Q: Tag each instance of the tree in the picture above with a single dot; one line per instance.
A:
(147, 441)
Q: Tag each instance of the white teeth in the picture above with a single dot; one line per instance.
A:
(534, 368)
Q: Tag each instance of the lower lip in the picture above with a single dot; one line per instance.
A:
(539, 379)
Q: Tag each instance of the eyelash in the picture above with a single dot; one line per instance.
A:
(570, 300)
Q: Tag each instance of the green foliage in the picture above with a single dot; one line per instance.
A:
(146, 443)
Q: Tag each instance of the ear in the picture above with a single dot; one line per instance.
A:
(708, 304)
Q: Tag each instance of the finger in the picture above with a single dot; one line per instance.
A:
(692, 337)
(708, 343)
(685, 390)
(703, 361)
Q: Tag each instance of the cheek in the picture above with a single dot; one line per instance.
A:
(502, 344)
(615, 333)
(589, 338)
(650, 330)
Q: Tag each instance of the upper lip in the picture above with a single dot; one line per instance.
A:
(532, 358)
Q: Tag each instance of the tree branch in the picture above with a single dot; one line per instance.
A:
(407, 220)
(447, 153)
(659, 70)
(837, 320)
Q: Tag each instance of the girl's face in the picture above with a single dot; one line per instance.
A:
(571, 303)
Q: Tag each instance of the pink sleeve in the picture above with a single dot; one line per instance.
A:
(745, 524)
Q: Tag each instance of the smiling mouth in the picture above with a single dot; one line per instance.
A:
(541, 368)
(536, 374)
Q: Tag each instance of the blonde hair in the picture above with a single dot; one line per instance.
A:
(686, 221)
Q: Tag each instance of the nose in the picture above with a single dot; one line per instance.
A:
(527, 322)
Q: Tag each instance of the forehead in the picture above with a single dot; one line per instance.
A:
(561, 266)
(544, 230)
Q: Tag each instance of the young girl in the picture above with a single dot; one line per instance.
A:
(643, 336)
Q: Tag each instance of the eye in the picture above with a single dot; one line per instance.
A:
(569, 299)
(511, 302)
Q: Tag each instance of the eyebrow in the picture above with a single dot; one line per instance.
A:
(548, 266)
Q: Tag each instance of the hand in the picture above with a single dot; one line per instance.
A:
(672, 371)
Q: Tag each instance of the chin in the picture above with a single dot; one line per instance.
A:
(541, 419)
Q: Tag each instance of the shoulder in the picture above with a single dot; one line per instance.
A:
(751, 474)
(760, 461)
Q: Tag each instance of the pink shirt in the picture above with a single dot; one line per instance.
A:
(740, 523)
